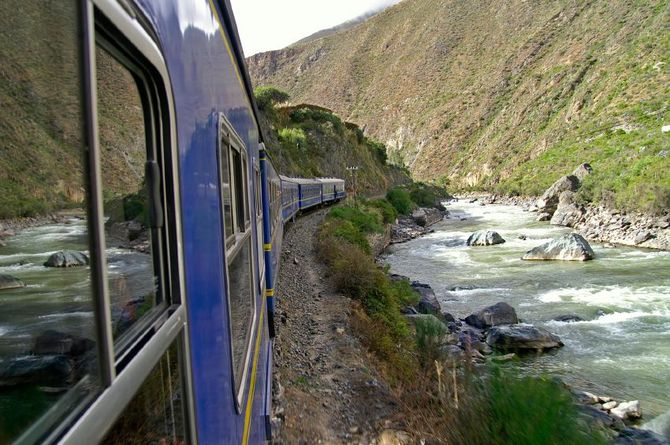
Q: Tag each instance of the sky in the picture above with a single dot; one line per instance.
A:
(265, 25)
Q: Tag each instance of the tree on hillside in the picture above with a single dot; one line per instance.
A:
(267, 96)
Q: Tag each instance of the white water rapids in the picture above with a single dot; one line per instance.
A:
(624, 353)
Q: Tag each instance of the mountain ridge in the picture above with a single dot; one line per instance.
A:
(504, 97)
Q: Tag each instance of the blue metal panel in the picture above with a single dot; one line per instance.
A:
(205, 80)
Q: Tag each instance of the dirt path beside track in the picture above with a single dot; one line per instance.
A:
(326, 389)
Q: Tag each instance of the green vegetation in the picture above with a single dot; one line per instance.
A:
(342, 244)
(267, 96)
(400, 200)
(308, 140)
(498, 407)
(416, 194)
(388, 212)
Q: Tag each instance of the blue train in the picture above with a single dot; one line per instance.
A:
(163, 333)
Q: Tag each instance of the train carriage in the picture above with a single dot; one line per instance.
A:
(330, 189)
(163, 334)
(309, 192)
(290, 190)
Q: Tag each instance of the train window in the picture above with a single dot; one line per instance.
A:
(48, 341)
(245, 181)
(225, 189)
(241, 308)
(155, 414)
(239, 185)
(240, 286)
(131, 275)
(259, 208)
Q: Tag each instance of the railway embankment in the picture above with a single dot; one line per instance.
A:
(327, 388)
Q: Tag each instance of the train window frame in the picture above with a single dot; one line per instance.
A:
(123, 375)
(229, 144)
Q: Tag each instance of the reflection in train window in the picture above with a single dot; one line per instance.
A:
(224, 155)
(241, 307)
(48, 357)
(155, 415)
(240, 288)
(132, 281)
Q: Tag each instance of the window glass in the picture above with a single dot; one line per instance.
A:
(155, 415)
(241, 307)
(259, 208)
(133, 284)
(47, 337)
(239, 190)
(245, 188)
(225, 188)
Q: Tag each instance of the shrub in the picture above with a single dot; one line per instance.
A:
(366, 222)
(292, 137)
(429, 331)
(387, 211)
(500, 408)
(345, 230)
(268, 96)
(304, 114)
(400, 200)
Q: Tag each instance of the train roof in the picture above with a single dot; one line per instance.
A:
(300, 180)
(329, 180)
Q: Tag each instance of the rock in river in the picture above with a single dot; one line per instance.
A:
(485, 238)
(522, 337)
(428, 303)
(549, 200)
(49, 370)
(67, 258)
(570, 247)
(499, 313)
(10, 282)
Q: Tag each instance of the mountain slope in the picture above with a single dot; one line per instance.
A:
(506, 96)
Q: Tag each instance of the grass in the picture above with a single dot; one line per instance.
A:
(342, 244)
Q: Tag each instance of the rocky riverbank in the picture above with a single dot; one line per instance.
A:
(10, 227)
(595, 222)
(415, 225)
(496, 334)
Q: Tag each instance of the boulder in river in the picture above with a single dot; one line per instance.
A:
(627, 410)
(497, 314)
(549, 199)
(425, 217)
(639, 436)
(428, 303)
(67, 258)
(47, 370)
(568, 213)
(10, 282)
(568, 318)
(521, 337)
(485, 238)
(570, 247)
(55, 342)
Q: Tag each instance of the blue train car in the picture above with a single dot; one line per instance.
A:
(169, 341)
(290, 190)
(143, 115)
(332, 189)
(309, 192)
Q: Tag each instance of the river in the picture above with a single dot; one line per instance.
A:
(624, 354)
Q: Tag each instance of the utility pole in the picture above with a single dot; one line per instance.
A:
(352, 170)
